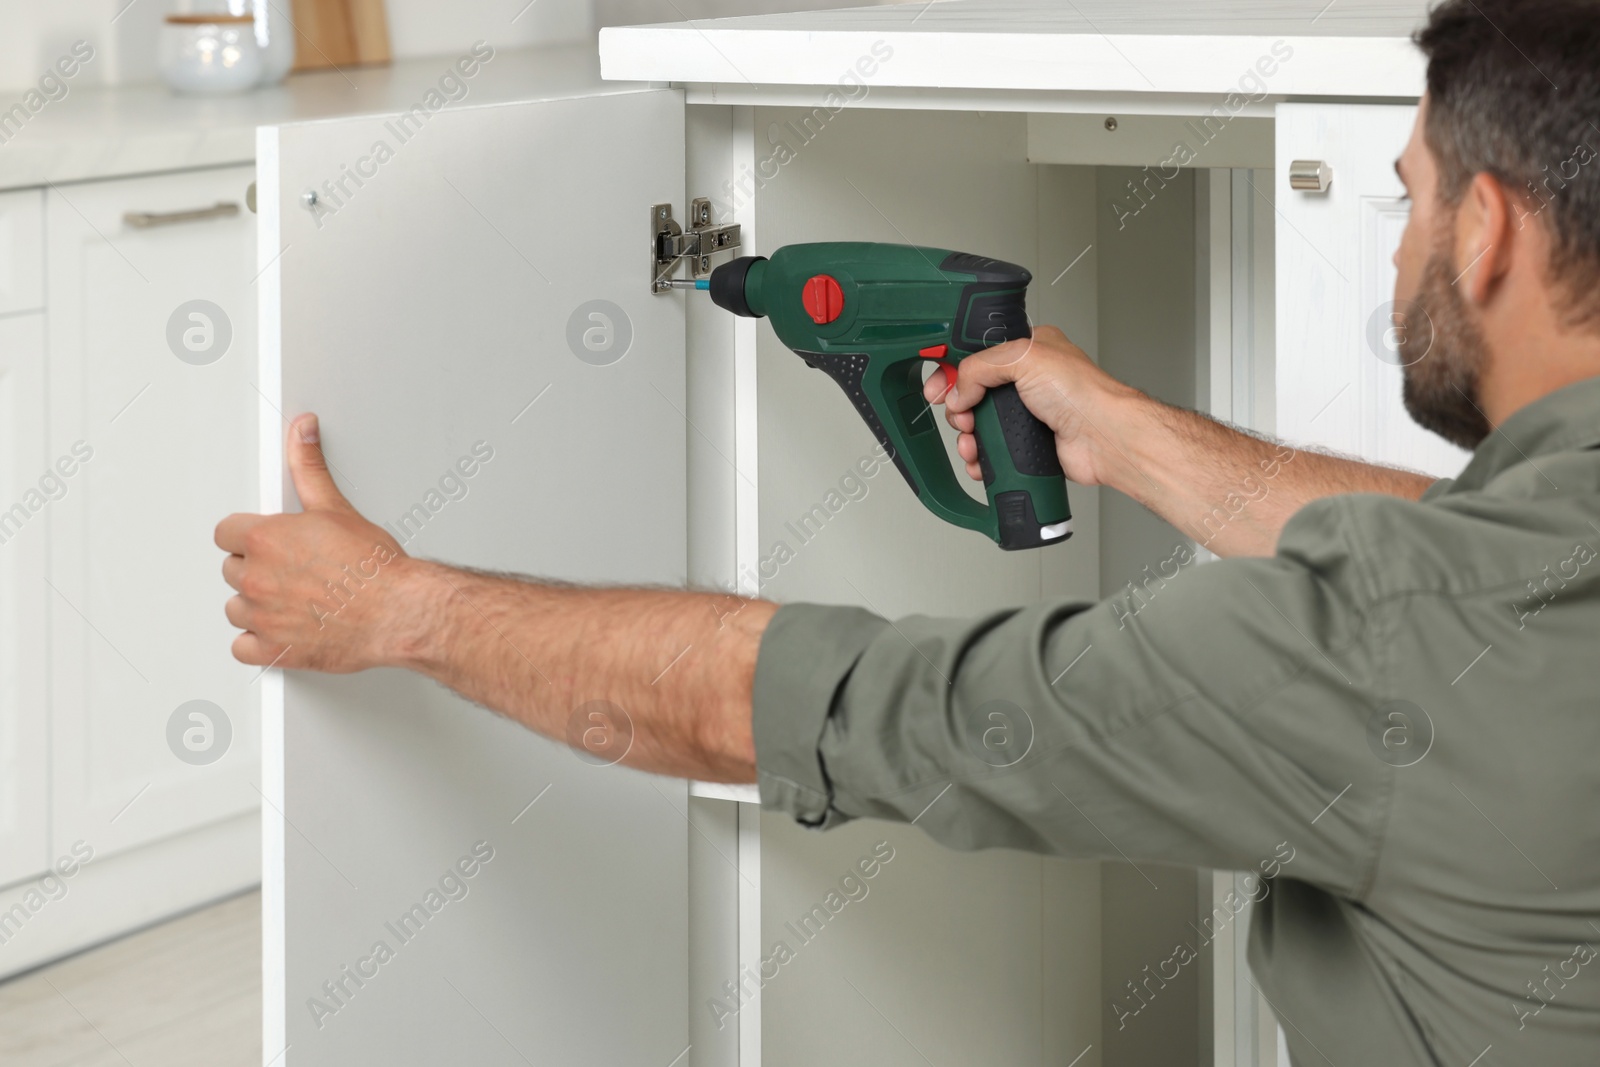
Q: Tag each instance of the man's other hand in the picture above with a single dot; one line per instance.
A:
(314, 587)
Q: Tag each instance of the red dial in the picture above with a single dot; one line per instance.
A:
(823, 299)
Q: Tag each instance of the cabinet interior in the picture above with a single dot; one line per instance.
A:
(995, 957)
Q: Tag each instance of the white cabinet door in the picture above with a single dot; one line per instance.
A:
(481, 291)
(28, 487)
(1338, 382)
(152, 345)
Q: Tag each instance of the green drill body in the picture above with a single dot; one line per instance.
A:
(872, 316)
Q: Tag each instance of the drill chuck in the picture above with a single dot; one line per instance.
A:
(729, 288)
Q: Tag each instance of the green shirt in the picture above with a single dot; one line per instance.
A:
(1396, 716)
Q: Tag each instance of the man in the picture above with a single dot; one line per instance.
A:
(1392, 678)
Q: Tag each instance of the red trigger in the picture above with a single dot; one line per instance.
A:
(938, 352)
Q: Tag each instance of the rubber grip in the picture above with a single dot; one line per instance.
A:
(1031, 444)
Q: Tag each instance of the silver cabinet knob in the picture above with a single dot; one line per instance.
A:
(1310, 175)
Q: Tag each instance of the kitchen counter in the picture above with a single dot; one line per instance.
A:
(97, 132)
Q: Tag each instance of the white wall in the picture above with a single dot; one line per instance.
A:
(34, 33)
(431, 27)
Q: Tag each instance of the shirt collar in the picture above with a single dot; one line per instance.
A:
(1566, 420)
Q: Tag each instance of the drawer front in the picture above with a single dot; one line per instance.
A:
(21, 251)
(27, 486)
(151, 363)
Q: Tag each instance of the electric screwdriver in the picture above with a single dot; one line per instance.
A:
(871, 316)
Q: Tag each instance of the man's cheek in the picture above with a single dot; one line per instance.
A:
(1409, 258)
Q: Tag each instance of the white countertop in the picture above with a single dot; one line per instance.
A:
(1346, 48)
(108, 132)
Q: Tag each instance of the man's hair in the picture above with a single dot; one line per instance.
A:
(1514, 92)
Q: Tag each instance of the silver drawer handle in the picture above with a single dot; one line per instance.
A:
(222, 209)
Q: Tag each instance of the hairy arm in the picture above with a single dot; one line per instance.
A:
(1230, 490)
(675, 668)
(669, 673)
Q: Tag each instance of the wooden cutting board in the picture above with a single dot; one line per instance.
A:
(340, 33)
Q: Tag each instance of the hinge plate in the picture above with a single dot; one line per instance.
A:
(671, 244)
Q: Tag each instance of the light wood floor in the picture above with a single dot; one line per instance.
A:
(183, 994)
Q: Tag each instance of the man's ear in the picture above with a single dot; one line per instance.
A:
(1487, 236)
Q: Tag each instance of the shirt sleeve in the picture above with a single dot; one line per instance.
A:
(1437, 489)
(1208, 714)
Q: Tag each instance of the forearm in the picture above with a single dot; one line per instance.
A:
(672, 669)
(1229, 490)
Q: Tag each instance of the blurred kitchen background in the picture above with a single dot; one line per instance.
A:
(129, 820)
(33, 33)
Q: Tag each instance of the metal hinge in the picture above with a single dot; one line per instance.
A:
(670, 244)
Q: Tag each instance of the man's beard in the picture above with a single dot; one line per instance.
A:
(1441, 386)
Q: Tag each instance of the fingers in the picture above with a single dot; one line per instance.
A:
(233, 572)
(309, 468)
(238, 614)
(934, 391)
(984, 370)
(248, 648)
(988, 369)
(967, 448)
(231, 531)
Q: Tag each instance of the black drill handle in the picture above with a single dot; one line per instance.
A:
(1016, 452)
(1030, 444)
